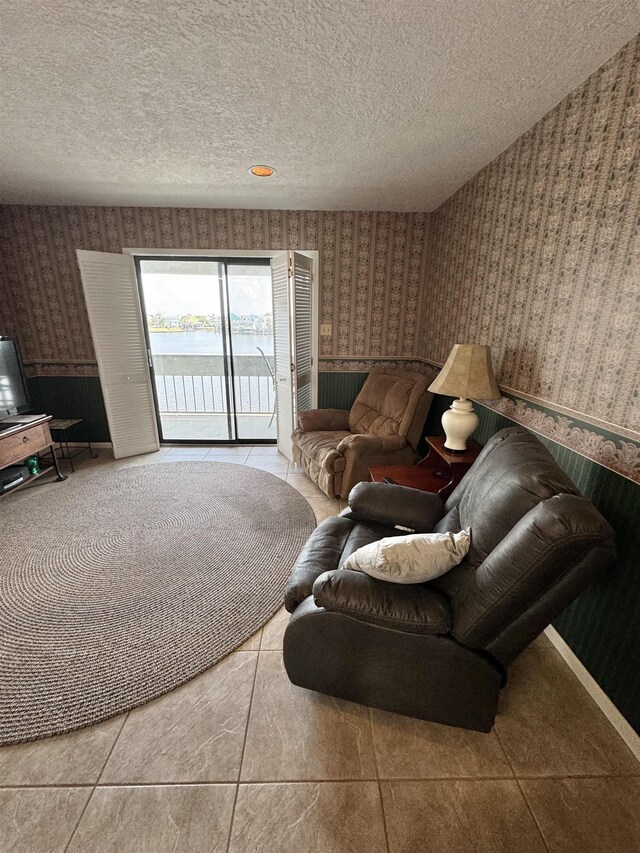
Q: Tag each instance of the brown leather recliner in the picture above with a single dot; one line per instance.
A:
(440, 650)
(336, 447)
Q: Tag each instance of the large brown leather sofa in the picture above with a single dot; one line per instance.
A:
(336, 447)
(440, 650)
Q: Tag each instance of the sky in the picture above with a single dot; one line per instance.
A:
(174, 295)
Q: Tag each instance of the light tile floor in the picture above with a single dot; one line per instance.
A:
(240, 760)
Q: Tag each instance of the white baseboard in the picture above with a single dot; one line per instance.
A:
(620, 724)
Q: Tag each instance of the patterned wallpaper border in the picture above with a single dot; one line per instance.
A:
(612, 451)
(431, 368)
(364, 365)
(61, 368)
(607, 449)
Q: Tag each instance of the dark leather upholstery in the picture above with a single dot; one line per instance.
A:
(507, 480)
(396, 505)
(332, 542)
(416, 609)
(430, 677)
(440, 648)
(546, 546)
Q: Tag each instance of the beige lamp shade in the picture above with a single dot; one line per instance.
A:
(467, 373)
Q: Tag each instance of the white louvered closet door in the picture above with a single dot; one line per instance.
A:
(282, 352)
(301, 272)
(115, 316)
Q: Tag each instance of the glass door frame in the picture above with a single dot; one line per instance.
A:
(227, 345)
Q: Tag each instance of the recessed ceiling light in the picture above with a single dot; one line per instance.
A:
(262, 171)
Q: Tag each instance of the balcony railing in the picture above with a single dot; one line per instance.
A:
(193, 384)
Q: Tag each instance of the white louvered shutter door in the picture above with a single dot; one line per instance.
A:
(115, 316)
(282, 352)
(301, 267)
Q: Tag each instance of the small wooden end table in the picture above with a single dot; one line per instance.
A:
(60, 432)
(440, 471)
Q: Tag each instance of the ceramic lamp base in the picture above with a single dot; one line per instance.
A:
(458, 423)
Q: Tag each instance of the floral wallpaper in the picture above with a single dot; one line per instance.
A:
(373, 267)
(7, 322)
(539, 255)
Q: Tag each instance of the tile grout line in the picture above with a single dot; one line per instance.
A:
(375, 764)
(526, 801)
(93, 789)
(210, 783)
(244, 744)
(503, 750)
(532, 813)
(113, 746)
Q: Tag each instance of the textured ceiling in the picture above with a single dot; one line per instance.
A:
(359, 104)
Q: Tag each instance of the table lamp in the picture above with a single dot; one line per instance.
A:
(466, 373)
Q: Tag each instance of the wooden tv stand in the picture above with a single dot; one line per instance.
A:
(22, 440)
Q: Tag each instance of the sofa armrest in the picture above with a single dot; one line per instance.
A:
(324, 419)
(396, 505)
(322, 552)
(361, 443)
(405, 607)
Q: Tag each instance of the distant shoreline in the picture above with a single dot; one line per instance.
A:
(207, 342)
(210, 331)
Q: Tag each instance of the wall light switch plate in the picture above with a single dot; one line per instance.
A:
(325, 330)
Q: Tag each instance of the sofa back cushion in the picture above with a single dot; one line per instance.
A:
(548, 557)
(535, 543)
(512, 474)
(388, 403)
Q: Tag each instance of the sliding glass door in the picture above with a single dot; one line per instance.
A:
(251, 348)
(209, 331)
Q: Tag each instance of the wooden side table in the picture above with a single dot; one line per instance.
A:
(447, 465)
(440, 471)
(60, 428)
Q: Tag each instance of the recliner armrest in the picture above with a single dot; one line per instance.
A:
(405, 607)
(361, 443)
(324, 419)
(396, 505)
(321, 553)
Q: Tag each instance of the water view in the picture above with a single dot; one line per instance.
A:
(195, 388)
(208, 343)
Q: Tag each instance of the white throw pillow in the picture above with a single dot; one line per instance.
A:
(416, 558)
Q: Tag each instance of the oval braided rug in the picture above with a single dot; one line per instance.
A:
(117, 587)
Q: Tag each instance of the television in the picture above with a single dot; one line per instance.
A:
(13, 390)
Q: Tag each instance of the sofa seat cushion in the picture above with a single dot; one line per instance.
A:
(321, 447)
(415, 608)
